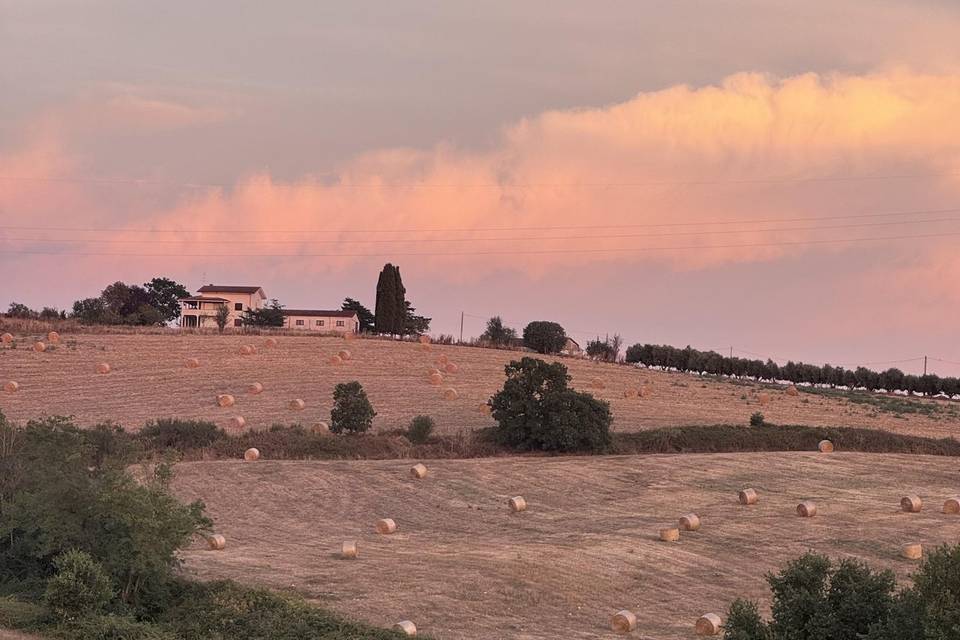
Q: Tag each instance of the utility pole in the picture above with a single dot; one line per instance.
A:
(731, 353)
(461, 327)
(924, 365)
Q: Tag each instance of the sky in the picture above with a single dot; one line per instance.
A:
(778, 177)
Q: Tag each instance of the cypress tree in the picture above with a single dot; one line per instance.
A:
(400, 302)
(385, 310)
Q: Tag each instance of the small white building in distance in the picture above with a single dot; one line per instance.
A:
(321, 320)
(201, 310)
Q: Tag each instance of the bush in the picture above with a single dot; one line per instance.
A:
(352, 410)
(18, 614)
(544, 337)
(171, 433)
(536, 410)
(756, 420)
(744, 622)
(80, 587)
(420, 429)
(111, 627)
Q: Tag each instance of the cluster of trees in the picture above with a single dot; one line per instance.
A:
(497, 334)
(22, 311)
(155, 303)
(393, 313)
(607, 350)
(693, 360)
(544, 337)
(813, 599)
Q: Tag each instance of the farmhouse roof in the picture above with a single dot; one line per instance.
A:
(217, 288)
(203, 299)
(320, 313)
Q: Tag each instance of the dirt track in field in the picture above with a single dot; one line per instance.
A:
(463, 566)
(149, 380)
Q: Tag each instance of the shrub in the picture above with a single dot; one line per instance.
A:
(80, 587)
(544, 337)
(420, 429)
(937, 587)
(756, 420)
(744, 622)
(536, 410)
(111, 627)
(171, 433)
(352, 410)
(18, 614)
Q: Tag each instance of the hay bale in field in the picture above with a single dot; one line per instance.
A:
(53, 337)
(418, 471)
(247, 350)
(406, 627)
(911, 504)
(252, 454)
(912, 551)
(297, 405)
(484, 408)
(348, 550)
(436, 379)
(825, 446)
(349, 335)
(103, 368)
(335, 360)
(225, 400)
(670, 534)
(450, 393)
(238, 422)
(11, 386)
(344, 354)
(255, 388)
(690, 522)
(623, 621)
(216, 542)
(764, 398)
(643, 392)
(451, 367)
(6, 338)
(192, 363)
(748, 496)
(807, 509)
(321, 428)
(952, 505)
(792, 391)
(39, 347)
(517, 504)
(442, 360)
(708, 625)
(386, 526)
(433, 370)
(271, 343)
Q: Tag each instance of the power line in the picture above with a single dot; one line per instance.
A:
(495, 239)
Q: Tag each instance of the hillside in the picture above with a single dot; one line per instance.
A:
(149, 379)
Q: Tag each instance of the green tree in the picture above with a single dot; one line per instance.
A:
(352, 411)
(80, 587)
(544, 337)
(497, 333)
(413, 325)
(222, 317)
(364, 315)
(420, 429)
(164, 295)
(389, 310)
(270, 315)
(18, 310)
(49, 313)
(90, 311)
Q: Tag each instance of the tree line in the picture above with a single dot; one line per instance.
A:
(693, 360)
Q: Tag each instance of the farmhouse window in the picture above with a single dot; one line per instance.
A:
(319, 323)
(339, 323)
(238, 323)
(238, 306)
(299, 323)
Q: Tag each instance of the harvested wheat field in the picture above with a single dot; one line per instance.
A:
(154, 376)
(462, 565)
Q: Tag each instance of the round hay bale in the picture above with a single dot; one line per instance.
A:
(433, 370)
(6, 338)
(406, 627)
(321, 428)
(436, 379)
(952, 505)
(708, 625)
(825, 446)
(424, 339)
(450, 393)
(807, 509)
(792, 391)
(451, 367)
(630, 393)
(252, 454)
(690, 522)
(670, 535)
(53, 337)
(517, 504)
(643, 392)
(238, 422)
(484, 408)
(442, 360)
(911, 504)
(336, 360)
(386, 526)
(271, 343)
(349, 335)
(623, 622)
(748, 496)
(225, 400)
(11, 386)
(255, 388)
(247, 350)
(344, 354)
(192, 363)
(348, 550)
(912, 551)
(217, 542)
(103, 368)
(764, 398)
(418, 471)
(39, 347)
(297, 405)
